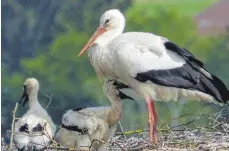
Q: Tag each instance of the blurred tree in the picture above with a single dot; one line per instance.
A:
(219, 56)
(26, 26)
(29, 25)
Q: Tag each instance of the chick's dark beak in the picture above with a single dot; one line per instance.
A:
(24, 97)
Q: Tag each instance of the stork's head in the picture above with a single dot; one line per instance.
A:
(111, 24)
(112, 19)
(31, 87)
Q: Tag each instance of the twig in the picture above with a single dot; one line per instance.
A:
(46, 133)
(131, 132)
(56, 147)
(184, 124)
(123, 135)
(119, 146)
(184, 115)
(96, 140)
(122, 130)
(21, 133)
(50, 100)
(181, 116)
(218, 115)
(12, 126)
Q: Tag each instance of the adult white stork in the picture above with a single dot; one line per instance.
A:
(151, 65)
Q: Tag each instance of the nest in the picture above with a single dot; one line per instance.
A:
(198, 139)
(213, 136)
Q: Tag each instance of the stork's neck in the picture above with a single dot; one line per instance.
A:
(33, 101)
(101, 60)
(35, 107)
(115, 111)
(108, 36)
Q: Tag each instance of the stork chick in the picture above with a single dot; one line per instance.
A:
(35, 128)
(83, 125)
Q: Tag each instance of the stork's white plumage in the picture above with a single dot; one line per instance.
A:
(83, 125)
(151, 65)
(35, 128)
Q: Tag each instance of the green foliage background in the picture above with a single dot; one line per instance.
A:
(41, 39)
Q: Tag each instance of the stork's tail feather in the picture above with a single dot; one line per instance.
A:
(222, 88)
(216, 88)
(213, 85)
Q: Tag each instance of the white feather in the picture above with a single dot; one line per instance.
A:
(143, 53)
(89, 118)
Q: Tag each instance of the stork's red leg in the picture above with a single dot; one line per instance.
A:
(152, 121)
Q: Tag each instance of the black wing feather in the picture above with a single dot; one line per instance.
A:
(213, 84)
(38, 128)
(184, 53)
(82, 131)
(182, 77)
(187, 77)
(119, 86)
(24, 128)
(79, 108)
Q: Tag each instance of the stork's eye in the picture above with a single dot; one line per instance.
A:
(107, 21)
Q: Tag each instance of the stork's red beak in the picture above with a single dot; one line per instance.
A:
(97, 33)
